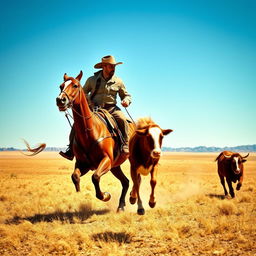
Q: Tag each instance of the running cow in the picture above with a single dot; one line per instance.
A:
(145, 151)
(230, 165)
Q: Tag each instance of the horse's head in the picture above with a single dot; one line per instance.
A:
(69, 90)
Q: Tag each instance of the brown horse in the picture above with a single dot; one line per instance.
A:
(94, 146)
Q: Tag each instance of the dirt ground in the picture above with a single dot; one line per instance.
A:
(41, 214)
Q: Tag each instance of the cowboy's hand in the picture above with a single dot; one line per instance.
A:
(125, 103)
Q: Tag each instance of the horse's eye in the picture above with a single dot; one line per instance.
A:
(75, 86)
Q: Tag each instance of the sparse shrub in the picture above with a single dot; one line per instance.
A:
(205, 226)
(184, 230)
(227, 208)
(109, 236)
(221, 225)
(3, 198)
(250, 189)
(13, 176)
(245, 198)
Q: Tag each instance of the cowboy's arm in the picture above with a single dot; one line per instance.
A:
(124, 95)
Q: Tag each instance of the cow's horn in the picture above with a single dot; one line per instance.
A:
(246, 155)
(227, 156)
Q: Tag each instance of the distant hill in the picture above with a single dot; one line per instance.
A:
(243, 148)
(46, 149)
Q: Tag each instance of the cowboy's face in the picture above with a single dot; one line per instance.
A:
(109, 70)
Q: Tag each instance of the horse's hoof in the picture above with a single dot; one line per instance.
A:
(133, 200)
(152, 204)
(141, 211)
(238, 186)
(106, 197)
(120, 209)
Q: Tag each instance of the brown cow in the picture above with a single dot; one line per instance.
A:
(230, 165)
(145, 151)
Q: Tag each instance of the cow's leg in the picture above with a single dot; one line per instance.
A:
(240, 182)
(231, 190)
(222, 181)
(104, 167)
(118, 173)
(140, 209)
(133, 194)
(152, 201)
(78, 172)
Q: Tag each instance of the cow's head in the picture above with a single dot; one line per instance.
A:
(236, 162)
(154, 137)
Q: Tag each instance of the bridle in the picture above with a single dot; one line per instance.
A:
(70, 102)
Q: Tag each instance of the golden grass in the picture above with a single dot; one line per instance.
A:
(41, 214)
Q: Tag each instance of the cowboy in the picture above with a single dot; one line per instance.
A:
(101, 90)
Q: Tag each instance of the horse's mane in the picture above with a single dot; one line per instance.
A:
(144, 122)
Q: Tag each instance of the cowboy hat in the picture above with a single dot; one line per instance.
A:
(107, 60)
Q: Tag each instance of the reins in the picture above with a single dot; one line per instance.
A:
(72, 106)
(129, 115)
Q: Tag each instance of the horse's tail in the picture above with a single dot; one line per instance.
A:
(35, 150)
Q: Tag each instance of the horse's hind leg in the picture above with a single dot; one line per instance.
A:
(118, 173)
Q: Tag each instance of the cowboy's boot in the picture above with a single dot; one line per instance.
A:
(68, 154)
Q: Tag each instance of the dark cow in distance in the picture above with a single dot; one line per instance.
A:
(145, 151)
(230, 165)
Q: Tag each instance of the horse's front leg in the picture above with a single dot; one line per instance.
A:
(152, 201)
(104, 167)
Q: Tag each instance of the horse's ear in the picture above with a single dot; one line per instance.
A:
(65, 77)
(79, 76)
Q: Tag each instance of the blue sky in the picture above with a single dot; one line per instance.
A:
(190, 65)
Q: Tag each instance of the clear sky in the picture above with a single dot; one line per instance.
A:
(190, 65)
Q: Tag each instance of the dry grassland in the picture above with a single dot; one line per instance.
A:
(41, 214)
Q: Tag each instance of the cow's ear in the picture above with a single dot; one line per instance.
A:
(244, 160)
(142, 131)
(166, 131)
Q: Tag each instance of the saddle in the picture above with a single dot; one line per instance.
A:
(110, 123)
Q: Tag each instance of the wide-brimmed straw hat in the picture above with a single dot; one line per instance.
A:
(107, 60)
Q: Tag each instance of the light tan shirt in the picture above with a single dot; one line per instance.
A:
(108, 90)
